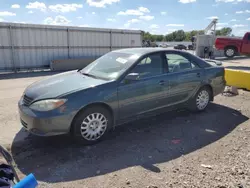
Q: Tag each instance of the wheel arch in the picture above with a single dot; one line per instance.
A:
(95, 104)
(211, 90)
(231, 46)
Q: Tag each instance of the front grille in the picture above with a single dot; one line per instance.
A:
(27, 100)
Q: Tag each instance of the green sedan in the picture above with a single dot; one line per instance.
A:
(117, 88)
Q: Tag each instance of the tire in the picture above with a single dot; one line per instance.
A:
(92, 125)
(230, 52)
(201, 99)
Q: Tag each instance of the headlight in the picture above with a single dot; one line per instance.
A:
(47, 105)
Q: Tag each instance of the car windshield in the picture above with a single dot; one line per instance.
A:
(110, 66)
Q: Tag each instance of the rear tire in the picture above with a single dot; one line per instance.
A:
(92, 125)
(230, 52)
(201, 99)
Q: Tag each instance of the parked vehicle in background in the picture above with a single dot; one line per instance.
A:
(190, 47)
(180, 47)
(232, 46)
(163, 45)
(167, 45)
(117, 88)
(148, 43)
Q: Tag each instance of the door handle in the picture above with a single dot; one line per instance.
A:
(198, 74)
(162, 82)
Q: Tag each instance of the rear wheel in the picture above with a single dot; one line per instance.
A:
(201, 99)
(230, 52)
(92, 125)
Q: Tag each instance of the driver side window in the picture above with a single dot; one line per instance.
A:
(148, 67)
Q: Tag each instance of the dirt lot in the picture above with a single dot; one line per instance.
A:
(237, 63)
(175, 149)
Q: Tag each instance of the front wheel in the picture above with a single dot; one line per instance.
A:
(201, 99)
(92, 124)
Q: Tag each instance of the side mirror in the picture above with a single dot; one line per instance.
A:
(131, 77)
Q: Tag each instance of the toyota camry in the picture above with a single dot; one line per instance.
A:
(117, 88)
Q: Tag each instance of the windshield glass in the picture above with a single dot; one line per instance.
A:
(110, 66)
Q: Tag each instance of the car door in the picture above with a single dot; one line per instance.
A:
(184, 77)
(147, 92)
(246, 44)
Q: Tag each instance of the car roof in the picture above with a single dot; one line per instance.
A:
(144, 51)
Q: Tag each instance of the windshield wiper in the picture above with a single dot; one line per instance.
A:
(93, 76)
(89, 75)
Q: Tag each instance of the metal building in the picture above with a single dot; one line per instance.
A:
(25, 46)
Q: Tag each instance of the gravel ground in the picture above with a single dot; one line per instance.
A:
(174, 149)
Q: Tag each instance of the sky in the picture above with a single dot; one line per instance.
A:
(154, 16)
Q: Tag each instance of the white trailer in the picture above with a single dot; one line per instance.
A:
(27, 46)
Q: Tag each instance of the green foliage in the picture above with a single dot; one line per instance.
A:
(169, 37)
(181, 35)
(226, 31)
(188, 36)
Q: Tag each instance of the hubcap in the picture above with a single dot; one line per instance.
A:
(202, 100)
(94, 126)
(230, 52)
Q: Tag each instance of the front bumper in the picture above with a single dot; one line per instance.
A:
(45, 123)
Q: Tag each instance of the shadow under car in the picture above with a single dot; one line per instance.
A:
(144, 142)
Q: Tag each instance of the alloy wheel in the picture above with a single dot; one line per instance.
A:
(230, 52)
(94, 126)
(202, 100)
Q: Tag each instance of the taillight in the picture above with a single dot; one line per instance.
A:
(216, 42)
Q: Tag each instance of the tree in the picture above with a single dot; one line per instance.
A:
(147, 36)
(180, 35)
(201, 32)
(193, 33)
(169, 37)
(159, 37)
(218, 33)
(226, 31)
(188, 36)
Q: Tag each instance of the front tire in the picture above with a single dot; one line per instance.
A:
(201, 100)
(92, 125)
(230, 52)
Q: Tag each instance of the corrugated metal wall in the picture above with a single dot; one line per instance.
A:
(24, 46)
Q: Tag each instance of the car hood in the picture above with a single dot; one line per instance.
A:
(61, 84)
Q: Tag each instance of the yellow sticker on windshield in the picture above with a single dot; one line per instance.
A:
(121, 60)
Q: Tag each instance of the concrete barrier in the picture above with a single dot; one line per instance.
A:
(70, 64)
(238, 78)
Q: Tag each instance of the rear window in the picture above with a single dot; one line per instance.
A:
(200, 62)
(213, 63)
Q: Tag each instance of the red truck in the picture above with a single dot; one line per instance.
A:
(233, 46)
